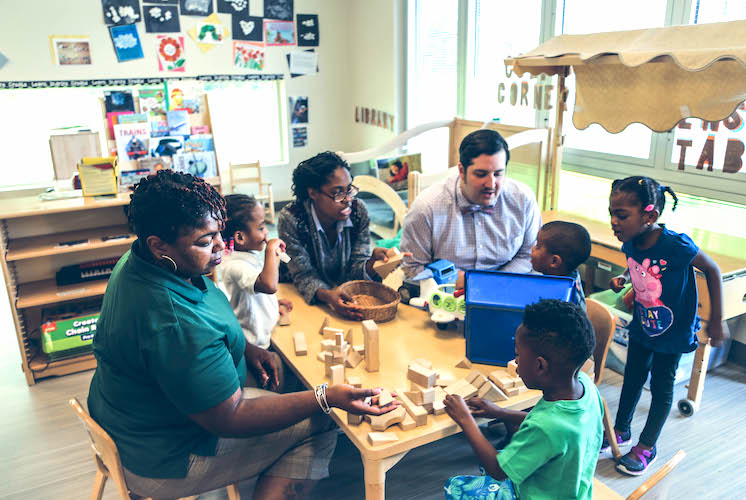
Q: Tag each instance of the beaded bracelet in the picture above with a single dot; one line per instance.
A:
(320, 393)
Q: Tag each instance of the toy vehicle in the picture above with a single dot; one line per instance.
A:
(434, 290)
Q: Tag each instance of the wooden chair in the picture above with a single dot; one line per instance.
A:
(369, 184)
(106, 456)
(251, 173)
(603, 492)
(603, 326)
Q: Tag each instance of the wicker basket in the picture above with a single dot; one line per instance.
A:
(377, 301)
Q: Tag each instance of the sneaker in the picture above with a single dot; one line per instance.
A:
(622, 439)
(637, 461)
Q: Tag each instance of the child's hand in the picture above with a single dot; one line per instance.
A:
(456, 409)
(285, 303)
(480, 407)
(617, 283)
(718, 332)
(275, 246)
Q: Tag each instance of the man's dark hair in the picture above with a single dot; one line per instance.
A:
(168, 203)
(314, 172)
(559, 331)
(568, 240)
(238, 208)
(482, 142)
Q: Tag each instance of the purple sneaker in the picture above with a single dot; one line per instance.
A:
(637, 461)
(622, 439)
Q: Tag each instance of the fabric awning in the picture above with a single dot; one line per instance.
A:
(656, 76)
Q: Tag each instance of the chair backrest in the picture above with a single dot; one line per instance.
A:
(104, 450)
(603, 326)
(245, 173)
(369, 184)
(418, 182)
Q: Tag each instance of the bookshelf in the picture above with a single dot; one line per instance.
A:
(31, 231)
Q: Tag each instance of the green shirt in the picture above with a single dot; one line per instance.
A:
(165, 349)
(554, 453)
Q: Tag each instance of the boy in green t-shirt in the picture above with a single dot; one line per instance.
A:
(554, 452)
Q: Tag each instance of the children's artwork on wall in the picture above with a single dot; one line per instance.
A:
(209, 33)
(395, 171)
(153, 101)
(161, 19)
(196, 7)
(199, 164)
(278, 9)
(298, 109)
(171, 53)
(279, 32)
(233, 6)
(300, 137)
(248, 28)
(119, 100)
(126, 42)
(308, 30)
(293, 62)
(70, 50)
(118, 12)
(248, 55)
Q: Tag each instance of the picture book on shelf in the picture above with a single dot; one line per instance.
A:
(184, 94)
(134, 118)
(119, 100)
(201, 164)
(132, 140)
(113, 118)
(153, 101)
(201, 142)
(178, 122)
(158, 126)
(166, 146)
(201, 129)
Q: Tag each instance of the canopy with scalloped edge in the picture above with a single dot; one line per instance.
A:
(656, 77)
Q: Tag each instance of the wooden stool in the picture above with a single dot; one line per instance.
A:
(108, 464)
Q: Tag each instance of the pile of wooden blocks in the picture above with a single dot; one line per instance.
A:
(511, 383)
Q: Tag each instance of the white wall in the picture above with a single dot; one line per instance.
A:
(356, 60)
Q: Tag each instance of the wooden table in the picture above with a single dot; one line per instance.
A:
(606, 247)
(410, 335)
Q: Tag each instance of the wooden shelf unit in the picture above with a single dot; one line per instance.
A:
(30, 233)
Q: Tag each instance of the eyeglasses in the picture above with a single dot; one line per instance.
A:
(341, 196)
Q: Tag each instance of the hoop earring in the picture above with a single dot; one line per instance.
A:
(171, 262)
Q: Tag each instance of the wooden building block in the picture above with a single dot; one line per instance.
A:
(320, 356)
(415, 396)
(518, 382)
(501, 380)
(472, 376)
(456, 386)
(355, 382)
(327, 344)
(408, 423)
(299, 339)
(445, 379)
(513, 368)
(421, 375)
(330, 333)
(438, 406)
(372, 347)
(353, 359)
(338, 374)
(464, 363)
(349, 337)
(328, 363)
(339, 338)
(385, 398)
(360, 349)
(354, 419)
(324, 324)
(418, 413)
(383, 422)
(428, 395)
(513, 391)
(284, 319)
(339, 347)
(422, 362)
(385, 268)
(376, 438)
(393, 251)
(480, 381)
(467, 391)
(490, 392)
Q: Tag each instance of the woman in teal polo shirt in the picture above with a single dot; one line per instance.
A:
(172, 361)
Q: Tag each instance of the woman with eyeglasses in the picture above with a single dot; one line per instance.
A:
(326, 233)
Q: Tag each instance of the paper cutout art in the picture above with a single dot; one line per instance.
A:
(201, 8)
(209, 33)
(308, 30)
(70, 50)
(171, 53)
(293, 75)
(247, 28)
(298, 109)
(303, 62)
(278, 33)
(300, 137)
(278, 9)
(248, 55)
(119, 12)
(126, 42)
(161, 19)
(233, 6)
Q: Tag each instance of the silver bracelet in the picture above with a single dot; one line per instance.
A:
(320, 393)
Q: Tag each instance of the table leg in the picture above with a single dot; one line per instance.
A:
(375, 475)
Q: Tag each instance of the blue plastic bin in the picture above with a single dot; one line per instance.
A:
(494, 308)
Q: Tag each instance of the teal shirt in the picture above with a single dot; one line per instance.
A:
(165, 349)
(554, 453)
